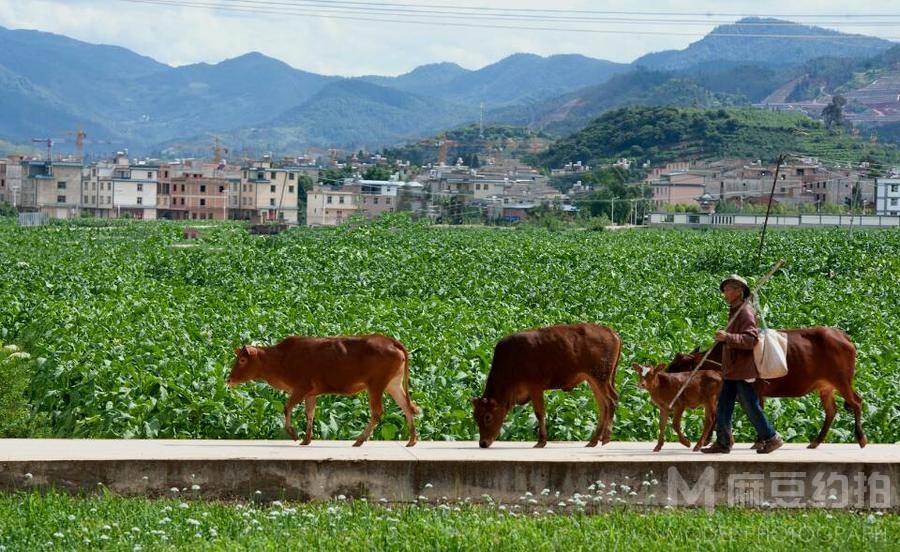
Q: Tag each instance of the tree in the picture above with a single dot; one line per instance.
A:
(7, 210)
(377, 172)
(834, 112)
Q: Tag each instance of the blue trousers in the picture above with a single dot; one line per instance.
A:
(744, 392)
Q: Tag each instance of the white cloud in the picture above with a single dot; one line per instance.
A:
(181, 35)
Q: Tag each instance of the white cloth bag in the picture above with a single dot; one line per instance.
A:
(770, 354)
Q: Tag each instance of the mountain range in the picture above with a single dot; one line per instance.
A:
(52, 85)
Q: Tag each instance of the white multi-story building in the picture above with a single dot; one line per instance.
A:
(887, 196)
(121, 189)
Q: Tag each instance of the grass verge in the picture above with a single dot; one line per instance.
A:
(32, 521)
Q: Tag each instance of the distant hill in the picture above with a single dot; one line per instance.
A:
(659, 134)
(233, 93)
(350, 114)
(514, 79)
(572, 111)
(757, 41)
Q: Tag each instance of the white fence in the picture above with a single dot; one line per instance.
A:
(796, 221)
(33, 219)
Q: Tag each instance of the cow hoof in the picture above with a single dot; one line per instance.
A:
(863, 442)
(686, 443)
(411, 443)
(305, 442)
(591, 444)
(540, 444)
(812, 445)
(697, 447)
(657, 448)
(358, 443)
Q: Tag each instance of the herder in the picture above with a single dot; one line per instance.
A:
(739, 371)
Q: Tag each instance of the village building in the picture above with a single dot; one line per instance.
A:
(52, 188)
(887, 196)
(330, 205)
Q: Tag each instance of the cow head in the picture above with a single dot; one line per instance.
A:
(684, 362)
(647, 374)
(246, 366)
(489, 415)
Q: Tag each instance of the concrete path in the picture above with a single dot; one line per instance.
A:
(834, 475)
(448, 451)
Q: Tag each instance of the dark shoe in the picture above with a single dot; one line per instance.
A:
(773, 443)
(716, 448)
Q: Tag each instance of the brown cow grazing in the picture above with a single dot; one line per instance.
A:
(305, 367)
(527, 363)
(703, 390)
(819, 359)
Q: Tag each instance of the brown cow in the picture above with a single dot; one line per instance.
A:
(527, 363)
(703, 390)
(305, 367)
(819, 359)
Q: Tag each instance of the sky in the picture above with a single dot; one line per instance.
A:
(173, 32)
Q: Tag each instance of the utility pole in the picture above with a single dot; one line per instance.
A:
(762, 237)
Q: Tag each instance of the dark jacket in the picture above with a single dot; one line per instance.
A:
(742, 335)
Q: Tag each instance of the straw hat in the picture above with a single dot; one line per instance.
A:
(738, 279)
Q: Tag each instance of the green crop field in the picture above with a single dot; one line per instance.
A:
(123, 331)
(30, 521)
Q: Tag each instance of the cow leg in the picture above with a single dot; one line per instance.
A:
(663, 418)
(676, 422)
(709, 418)
(603, 406)
(853, 403)
(292, 402)
(310, 404)
(609, 410)
(830, 408)
(395, 389)
(537, 401)
(376, 408)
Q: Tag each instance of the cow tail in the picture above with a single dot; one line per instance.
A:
(412, 404)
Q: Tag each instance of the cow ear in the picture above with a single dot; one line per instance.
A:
(244, 350)
(474, 401)
(237, 352)
(696, 349)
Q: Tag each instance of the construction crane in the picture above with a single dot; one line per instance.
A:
(79, 135)
(218, 150)
(443, 143)
(49, 143)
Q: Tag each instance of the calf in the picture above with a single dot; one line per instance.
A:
(527, 363)
(305, 367)
(703, 390)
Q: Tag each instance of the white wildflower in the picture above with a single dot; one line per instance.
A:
(428, 485)
(58, 535)
(174, 489)
(192, 521)
(71, 517)
(195, 487)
